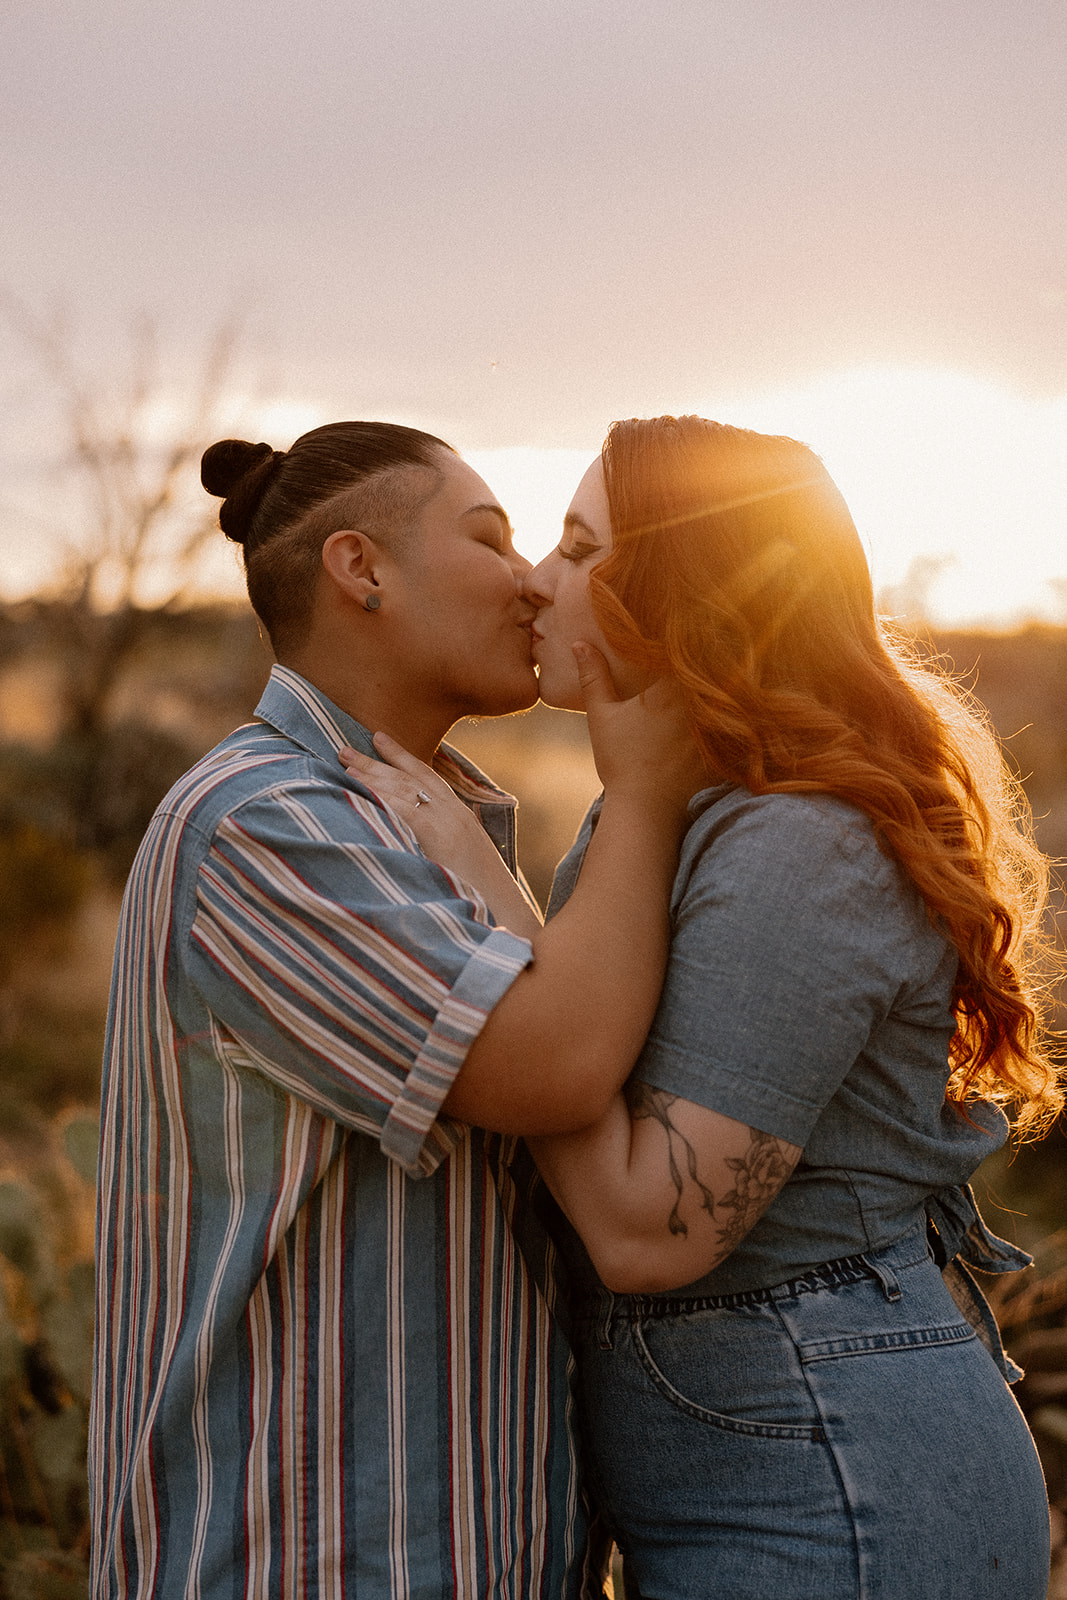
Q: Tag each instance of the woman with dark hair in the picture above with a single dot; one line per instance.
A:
(327, 1359)
(792, 1386)
(279, 506)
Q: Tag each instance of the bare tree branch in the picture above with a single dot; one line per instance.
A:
(138, 520)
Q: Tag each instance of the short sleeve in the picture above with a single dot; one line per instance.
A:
(343, 964)
(794, 935)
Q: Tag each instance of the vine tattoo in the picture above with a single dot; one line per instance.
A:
(758, 1174)
(646, 1102)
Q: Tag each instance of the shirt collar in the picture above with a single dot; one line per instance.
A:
(302, 713)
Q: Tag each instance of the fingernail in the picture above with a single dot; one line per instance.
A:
(346, 754)
(581, 650)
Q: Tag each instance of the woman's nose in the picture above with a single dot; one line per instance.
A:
(539, 584)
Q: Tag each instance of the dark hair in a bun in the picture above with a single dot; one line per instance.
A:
(279, 506)
(238, 473)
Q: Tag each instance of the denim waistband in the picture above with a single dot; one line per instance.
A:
(599, 1310)
(904, 1252)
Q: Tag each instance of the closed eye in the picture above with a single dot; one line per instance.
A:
(577, 552)
(492, 528)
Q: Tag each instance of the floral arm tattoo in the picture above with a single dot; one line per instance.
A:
(758, 1174)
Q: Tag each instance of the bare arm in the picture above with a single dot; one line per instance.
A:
(660, 1189)
(562, 1040)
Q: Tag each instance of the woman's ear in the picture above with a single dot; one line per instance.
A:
(352, 561)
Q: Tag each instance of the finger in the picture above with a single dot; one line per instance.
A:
(594, 675)
(393, 752)
(377, 776)
(355, 760)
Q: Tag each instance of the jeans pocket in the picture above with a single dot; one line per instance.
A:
(889, 1342)
(856, 1319)
(732, 1369)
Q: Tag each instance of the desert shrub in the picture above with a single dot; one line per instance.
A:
(46, 1321)
(44, 882)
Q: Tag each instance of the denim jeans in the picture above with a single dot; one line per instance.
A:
(844, 1436)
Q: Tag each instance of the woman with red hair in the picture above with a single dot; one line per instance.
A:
(791, 1384)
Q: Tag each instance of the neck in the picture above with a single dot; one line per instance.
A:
(367, 692)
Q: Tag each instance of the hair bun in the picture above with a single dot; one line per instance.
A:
(225, 464)
(238, 472)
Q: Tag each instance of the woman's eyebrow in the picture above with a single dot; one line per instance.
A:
(498, 511)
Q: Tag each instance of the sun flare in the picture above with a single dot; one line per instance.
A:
(955, 483)
(958, 486)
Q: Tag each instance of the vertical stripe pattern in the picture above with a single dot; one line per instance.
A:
(324, 1367)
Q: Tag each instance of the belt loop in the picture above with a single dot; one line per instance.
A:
(886, 1277)
(605, 1312)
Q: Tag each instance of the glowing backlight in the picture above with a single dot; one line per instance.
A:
(955, 483)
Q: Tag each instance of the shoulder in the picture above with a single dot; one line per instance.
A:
(251, 761)
(257, 777)
(799, 868)
(805, 832)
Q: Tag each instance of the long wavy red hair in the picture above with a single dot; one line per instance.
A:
(737, 569)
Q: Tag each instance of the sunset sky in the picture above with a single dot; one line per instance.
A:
(510, 223)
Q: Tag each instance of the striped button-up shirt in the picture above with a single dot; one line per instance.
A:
(323, 1367)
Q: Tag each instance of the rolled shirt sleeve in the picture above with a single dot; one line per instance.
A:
(342, 964)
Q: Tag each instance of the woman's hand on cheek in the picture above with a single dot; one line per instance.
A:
(643, 746)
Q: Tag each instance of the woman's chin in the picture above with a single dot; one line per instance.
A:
(560, 696)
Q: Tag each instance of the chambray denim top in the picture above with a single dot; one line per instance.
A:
(808, 995)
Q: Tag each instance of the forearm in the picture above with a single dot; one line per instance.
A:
(588, 1172)
(563, 1039)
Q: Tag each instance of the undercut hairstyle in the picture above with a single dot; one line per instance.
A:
(281, 506)
(736, 569)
